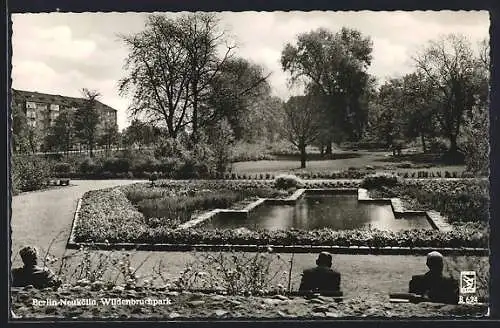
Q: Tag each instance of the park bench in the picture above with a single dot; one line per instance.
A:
(414, 298)
(58, 182)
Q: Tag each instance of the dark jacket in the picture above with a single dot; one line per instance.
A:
(320, 279)
(436, 287)
(36, 276)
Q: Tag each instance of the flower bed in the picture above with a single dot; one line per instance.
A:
(108, 216)
(465, 200)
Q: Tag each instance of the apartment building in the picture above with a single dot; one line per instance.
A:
(42, 109)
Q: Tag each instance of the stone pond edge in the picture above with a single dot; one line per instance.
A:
(389, 250)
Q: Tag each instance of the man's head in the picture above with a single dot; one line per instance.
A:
(324, 259)
(29, 255)
(435, 262)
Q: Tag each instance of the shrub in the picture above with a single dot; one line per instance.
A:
(153, 177)
(437, 146)
(236, 273)
(61, 169)
(144, 164)
(288, 181)
(116, 165)
(192, 169)
(169, 166)
(29, 173)
(380, 180)
(89, 166)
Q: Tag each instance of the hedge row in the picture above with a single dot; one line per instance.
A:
(462, 236)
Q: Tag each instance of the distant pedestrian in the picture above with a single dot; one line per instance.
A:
(31, 273)
(433, 284)
(322, 278)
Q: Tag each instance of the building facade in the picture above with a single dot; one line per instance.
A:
(41, 110)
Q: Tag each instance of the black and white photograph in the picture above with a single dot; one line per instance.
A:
(280, 165)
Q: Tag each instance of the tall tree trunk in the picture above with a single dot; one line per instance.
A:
(303, 156)
(453, 143)
(422, 137)
(329, 147)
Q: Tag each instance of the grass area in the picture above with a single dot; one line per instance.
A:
(365, 276)
(381, 161)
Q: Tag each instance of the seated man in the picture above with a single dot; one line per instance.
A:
(321, 278)
(31, 273)
(432, 284)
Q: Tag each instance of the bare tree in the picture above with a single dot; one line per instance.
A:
(86, 119)
(302, 123)
(170, 66)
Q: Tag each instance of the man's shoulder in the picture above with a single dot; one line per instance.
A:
(322, 270)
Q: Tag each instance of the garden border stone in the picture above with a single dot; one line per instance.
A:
(389, 250)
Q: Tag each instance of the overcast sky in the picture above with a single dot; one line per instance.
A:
(61, 53)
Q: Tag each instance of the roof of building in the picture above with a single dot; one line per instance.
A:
(20, 95)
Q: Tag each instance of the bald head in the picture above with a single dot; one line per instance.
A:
(435, 262)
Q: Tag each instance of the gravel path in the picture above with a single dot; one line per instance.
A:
(38, 217)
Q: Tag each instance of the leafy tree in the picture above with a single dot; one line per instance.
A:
(302, 123)
(476, 125)
(109, 135)
(476, 144)
(19, 130)
(235, 91)
(450, 67)
(61, 134)
(86, 119)
(333, 65)
(220, 139)
(133, 133)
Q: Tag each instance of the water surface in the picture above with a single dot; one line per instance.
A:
(337, 212)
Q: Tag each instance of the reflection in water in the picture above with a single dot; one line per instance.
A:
(338, 212)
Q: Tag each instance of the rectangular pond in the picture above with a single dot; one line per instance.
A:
(337, 212)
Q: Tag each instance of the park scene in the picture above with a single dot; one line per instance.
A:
(356, 195)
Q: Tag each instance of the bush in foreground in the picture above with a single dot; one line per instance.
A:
(29, 173)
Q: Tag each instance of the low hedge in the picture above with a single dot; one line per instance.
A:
(462, 236)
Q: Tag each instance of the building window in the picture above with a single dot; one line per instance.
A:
(30, 113)
(54, 116)
(54, 107)
(30, 104)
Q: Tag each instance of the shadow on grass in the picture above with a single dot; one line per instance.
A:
(318, 157)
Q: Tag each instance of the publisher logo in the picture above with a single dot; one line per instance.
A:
(467, 282)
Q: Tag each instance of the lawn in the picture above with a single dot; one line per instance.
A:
(365, 276)
(382, 161)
